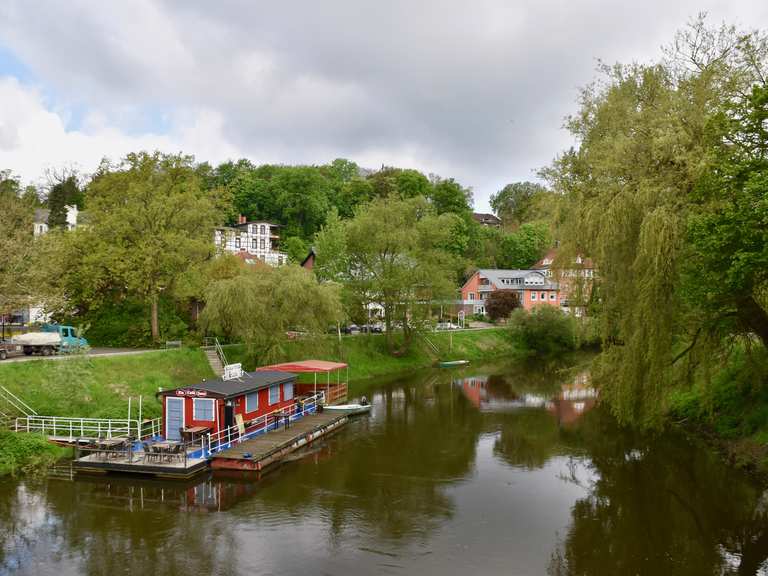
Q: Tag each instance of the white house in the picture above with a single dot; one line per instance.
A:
(255, 239)
(41, 219)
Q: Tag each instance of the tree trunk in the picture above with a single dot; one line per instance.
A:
(755, 317)
(155, 322)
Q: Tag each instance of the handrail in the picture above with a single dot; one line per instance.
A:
(228, 437)
(213, 342)
(16, 402)
(73, 427)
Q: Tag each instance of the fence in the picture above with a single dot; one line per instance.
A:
(228, 437)
(72, 429)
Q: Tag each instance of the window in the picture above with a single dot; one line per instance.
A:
(261, 242)
(533, 295)
(471, 295)
(263, 229)
(252, 402)
(552, 296)
(543, 295)
(288, 391)
(253, 244)
(202, 409)
(237, 242)
(274, 394)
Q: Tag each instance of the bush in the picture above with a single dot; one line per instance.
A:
(501, 303)
(545, 331)
(24, 452)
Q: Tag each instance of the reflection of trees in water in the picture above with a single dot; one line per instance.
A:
(660, 505)
(397, 489)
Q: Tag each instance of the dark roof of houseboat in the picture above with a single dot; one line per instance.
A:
(248, 382)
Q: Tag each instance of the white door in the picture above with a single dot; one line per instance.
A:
(174, 417)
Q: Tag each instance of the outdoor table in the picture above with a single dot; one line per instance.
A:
(194, 432)
(163, 448)
(110, 444)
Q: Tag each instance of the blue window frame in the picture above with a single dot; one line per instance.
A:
(252, 402)
(288, 391)
(202, 409)
(274, 394)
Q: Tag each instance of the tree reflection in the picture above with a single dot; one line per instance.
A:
(660, 505)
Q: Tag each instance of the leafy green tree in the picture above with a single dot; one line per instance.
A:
(259, 306)
(296, 248)
(17, 245)
(524, 247)
(447, 195)
(514, 202)
(65, 191)
(150, 221)
(330, 245)
(545, 330)
(395, 248)
(654, 196)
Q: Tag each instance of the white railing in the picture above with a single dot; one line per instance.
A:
(228, 437)
(213, 342)
(15, 402)
(74, 428)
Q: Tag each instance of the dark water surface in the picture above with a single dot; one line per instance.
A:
(485, 471)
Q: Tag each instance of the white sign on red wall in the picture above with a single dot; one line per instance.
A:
(198, 393)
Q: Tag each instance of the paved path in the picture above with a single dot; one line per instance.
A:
(19, 356)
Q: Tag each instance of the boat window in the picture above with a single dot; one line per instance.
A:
(288, 391)
(202, 409)
(274, 394)
(252, 402)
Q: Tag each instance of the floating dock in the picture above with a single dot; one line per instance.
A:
(263, 451)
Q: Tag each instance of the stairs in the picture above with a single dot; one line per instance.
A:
(213, 359)
(12, 407)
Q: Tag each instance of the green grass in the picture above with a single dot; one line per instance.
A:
(27, 452)
(367, 355)
(100, 387)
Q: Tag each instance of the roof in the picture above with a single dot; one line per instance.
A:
(549, 258)
(309, 261)
(306, 366)
(495, 276)
(484, 217)
(248, 382)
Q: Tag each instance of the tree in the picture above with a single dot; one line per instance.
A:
(545, 330)
(447, 195)
(150, 221)
(522, 248)
(395, 248)
(501, 303)
(514, 202)
(17, 245)
(654, 198)
(64, 191)
(259, 306)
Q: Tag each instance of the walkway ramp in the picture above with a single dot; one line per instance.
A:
(267, 449)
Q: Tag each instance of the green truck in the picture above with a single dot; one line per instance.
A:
(53, 339)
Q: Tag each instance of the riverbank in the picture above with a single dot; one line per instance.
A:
(94, 387)
(730, 410)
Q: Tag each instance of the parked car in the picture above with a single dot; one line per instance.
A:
(350, 329)
(372, 328)
(447, 326)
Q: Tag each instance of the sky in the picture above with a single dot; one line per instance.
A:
(477, 91)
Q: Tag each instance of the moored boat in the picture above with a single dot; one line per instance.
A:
(453, 363)
(350, 409)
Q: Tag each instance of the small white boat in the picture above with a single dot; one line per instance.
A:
(349, 408)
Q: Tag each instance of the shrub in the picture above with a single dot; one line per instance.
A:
(545, 331)
(501, 303)
(24, 452)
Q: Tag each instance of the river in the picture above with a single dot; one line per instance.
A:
(495, 470)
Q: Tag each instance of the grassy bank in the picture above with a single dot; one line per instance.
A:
(367, 354)
(27, 452)
(731, 409)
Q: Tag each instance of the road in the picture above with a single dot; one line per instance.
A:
(19, 356)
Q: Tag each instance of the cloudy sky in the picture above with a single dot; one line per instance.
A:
(471, 90)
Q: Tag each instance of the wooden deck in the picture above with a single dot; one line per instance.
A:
(178, 468)
(267, 449)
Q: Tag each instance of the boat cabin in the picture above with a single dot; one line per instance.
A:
(212, 405)
(332, 386)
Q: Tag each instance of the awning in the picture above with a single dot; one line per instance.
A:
(304, 366)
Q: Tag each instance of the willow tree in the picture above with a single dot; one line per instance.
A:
(260, 305)
(649, 140)
(17, 245)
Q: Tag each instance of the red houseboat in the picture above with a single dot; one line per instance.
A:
(212, 405)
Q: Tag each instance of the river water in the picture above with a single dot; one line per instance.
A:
(497, 470)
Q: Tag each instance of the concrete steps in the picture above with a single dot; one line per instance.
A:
(214, 361)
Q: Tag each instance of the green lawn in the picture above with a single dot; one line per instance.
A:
(99, 387)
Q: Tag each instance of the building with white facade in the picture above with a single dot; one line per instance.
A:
(42, 215)
(251, 240)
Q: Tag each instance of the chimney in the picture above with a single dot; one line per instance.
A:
(240, 219)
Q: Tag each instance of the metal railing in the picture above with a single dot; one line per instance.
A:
(213, 342)
(15, 402)
(87, 428)
(233, 435)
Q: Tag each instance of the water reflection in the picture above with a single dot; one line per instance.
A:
(505, 470)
